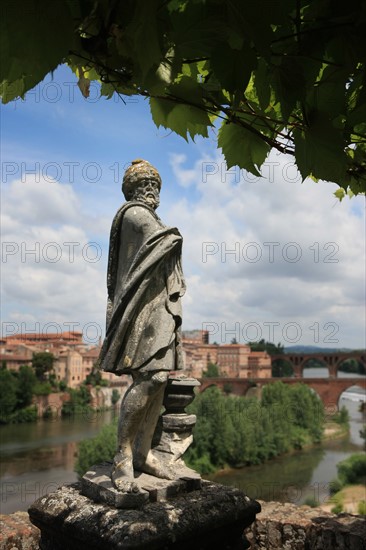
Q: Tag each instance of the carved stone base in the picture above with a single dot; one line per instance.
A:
(213, 517)
(97, 485)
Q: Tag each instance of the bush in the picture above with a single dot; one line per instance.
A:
(28, 414)
(228, 388)
(353, 469)
(47, 413)
(338, 508)
(312, 502)
(98, 449)
(115, 396)
(361, 508)
(42, 388)
(335, 486)
(202, 464)
(342, 417)
(78, 402)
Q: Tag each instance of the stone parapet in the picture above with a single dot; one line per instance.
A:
(278, 526)
(285, 526)
(17, 533)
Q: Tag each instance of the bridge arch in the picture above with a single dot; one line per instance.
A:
(308, 363)
(356, 393)
(328, 389)
(359, 360)
(282, 367)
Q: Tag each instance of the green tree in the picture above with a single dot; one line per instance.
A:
(42, 364)
(212, 371)
(352, 365)
(94, 377)
(8, 393)
(294, 81)
(26, 382)
(352, 469)
(79, 401)
(115, 396)
(98, 449)
(236, 431)
(280, 367)
(362, 433)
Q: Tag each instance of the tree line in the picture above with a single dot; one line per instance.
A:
(238, 431)
(18, 388)
(234, 431)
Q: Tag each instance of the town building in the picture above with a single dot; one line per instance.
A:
(74, 359)
(232, 360)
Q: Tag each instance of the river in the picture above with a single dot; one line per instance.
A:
(36, 458)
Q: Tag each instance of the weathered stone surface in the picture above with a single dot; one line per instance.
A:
(213, 517)
(97, 485)
(17, 533)
(285, 526)
(347, 531)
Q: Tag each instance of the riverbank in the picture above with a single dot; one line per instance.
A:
(333, 430)
(349, 497)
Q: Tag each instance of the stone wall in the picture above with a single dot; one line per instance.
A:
(278, 527)
(285, 526)
(50, 403)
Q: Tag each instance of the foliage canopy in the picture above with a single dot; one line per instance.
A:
(282, 74)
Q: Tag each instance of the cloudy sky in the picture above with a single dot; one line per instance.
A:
(266, 257)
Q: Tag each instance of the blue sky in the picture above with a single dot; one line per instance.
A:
(266, 257)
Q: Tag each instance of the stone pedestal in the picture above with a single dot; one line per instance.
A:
(97, 485)
(173, 434)
(213, 517)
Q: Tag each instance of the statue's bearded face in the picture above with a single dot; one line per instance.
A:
(148, 192)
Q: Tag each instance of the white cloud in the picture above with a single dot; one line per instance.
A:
(241, 240)
(52, 271)
(271, 251)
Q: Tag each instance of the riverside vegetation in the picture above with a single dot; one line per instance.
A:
(235, 431)
(18, 389)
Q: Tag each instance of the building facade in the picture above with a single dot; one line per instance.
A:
(232, 360)
(74, 359)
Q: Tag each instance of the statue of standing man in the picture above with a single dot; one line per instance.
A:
(145, 284)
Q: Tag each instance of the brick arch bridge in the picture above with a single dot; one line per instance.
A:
(328, 389)
(330, 360)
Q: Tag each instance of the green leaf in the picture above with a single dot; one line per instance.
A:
(242, 148)
(340, 194)
(197, 29)
(328, 95)
(182, 119)
(143, 30)
(320, 150)
(233, 68)
(12, 90)
(35, 37)
(261, 82)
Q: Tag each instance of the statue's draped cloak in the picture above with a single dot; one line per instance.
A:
(145, 283)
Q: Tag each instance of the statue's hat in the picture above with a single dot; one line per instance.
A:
(139, 169)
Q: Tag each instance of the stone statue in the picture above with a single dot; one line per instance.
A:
(145, 284)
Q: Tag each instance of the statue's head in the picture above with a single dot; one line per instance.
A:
(142, 182)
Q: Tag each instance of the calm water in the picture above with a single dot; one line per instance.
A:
(37, 458)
